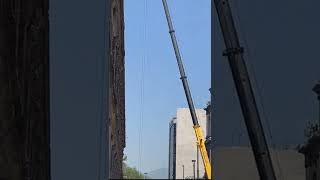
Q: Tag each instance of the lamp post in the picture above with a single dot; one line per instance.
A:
(194, 169)
(182, 171)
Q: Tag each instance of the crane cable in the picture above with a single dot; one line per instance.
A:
(142, 82)
(257, 88)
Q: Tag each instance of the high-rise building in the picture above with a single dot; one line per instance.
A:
(183, 147)
(172, 149)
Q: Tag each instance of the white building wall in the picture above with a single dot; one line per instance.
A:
(186, 148)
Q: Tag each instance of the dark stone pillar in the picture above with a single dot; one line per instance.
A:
(116, 89)
(24, 90)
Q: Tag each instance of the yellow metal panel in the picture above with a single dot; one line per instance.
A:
(203, 151)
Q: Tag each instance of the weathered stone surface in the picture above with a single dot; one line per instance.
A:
(24, 90)
(116, 89)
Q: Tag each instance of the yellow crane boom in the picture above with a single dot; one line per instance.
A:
(203, 150)
(196, 126)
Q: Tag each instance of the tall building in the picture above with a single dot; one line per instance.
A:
(116, 89)
(172, 149)
(183, 147)
(24, 93)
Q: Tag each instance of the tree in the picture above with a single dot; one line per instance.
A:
(312, 129)
(130, 172)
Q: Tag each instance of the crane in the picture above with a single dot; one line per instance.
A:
(199, 138)
(234, 52)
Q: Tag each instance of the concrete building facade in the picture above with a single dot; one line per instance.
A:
(183, 148)
(238, 163)
(172, 149)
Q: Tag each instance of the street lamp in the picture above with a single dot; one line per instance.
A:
(194, 169)
(182, 171)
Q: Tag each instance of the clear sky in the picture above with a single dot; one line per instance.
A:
(153, 86)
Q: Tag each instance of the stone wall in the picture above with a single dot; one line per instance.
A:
(24, 90)
(116, 89)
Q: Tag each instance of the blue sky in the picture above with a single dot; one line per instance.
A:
(153, 86)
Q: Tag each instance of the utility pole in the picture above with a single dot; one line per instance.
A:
(182, 171)
(316, 89)
(194, 169)
(234, 52)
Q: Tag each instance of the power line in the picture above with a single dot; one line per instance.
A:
(142, 81)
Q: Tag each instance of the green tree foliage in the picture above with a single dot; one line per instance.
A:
(130, 172)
